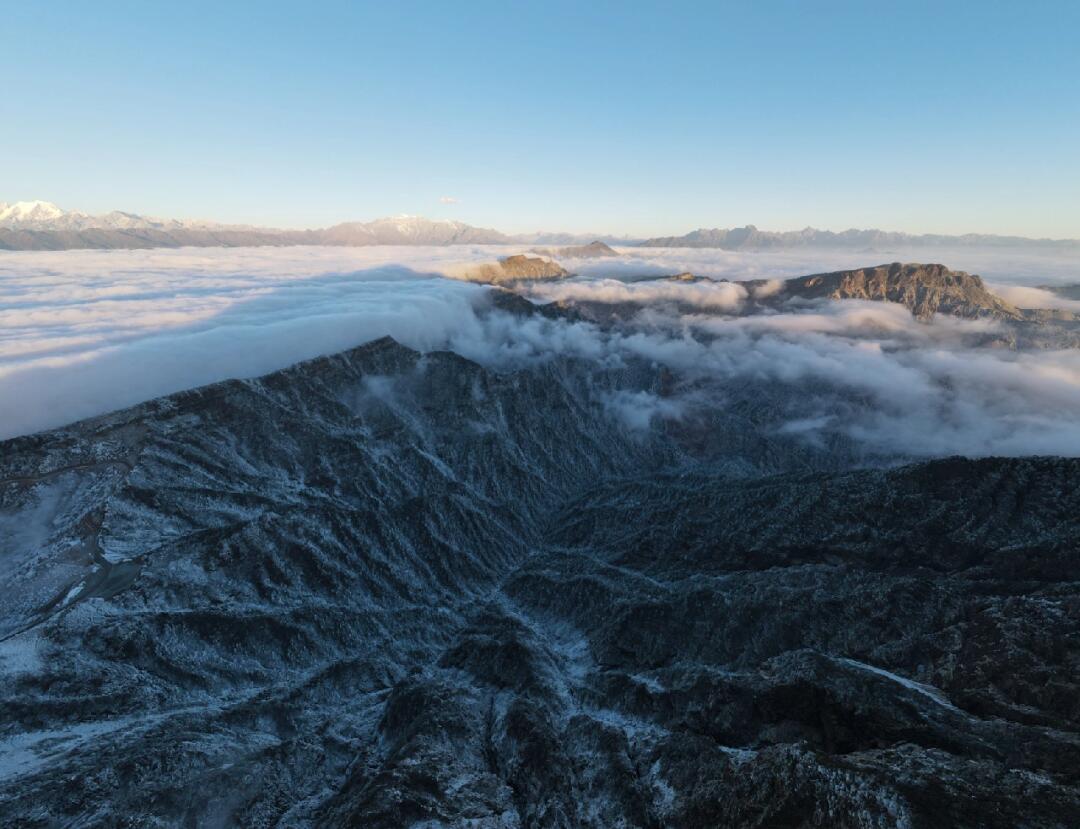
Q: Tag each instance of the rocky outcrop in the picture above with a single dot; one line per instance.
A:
(925, 289)
(517, 268)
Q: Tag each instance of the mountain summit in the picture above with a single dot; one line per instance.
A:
(29, 213)
(924, 289)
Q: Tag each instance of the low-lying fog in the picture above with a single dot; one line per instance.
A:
(86, 332)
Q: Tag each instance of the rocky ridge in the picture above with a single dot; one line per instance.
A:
(386, 588)
(511, 269)
(925, 290)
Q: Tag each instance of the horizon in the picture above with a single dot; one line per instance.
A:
(611, 234)
(608, 120)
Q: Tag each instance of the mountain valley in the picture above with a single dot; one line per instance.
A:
(388, 588)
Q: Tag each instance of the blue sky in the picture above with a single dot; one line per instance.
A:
(621, 117)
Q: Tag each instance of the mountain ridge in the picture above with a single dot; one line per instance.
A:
(924, 289)
(40, 225)
(386, 588)
(749, 237)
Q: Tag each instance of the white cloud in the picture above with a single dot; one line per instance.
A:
(1026, 297)
(727, 296)
(447, 200)
(85, 332)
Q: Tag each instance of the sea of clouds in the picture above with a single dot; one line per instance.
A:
(86, 332)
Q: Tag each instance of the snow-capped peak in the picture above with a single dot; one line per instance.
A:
(30, 211)
(43, 215)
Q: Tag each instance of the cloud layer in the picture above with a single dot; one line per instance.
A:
(82, 333)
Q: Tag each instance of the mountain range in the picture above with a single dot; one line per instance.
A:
(750, 238)
(384, 588)
(40, 225)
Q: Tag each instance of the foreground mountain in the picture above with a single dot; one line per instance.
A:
(751, 238)
(390, 589)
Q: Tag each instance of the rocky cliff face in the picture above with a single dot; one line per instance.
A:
(516, 268)
(925, 289)
(390, 589)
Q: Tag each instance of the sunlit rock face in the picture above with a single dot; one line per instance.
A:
(925, 289)
(386, 588)
(513, 269)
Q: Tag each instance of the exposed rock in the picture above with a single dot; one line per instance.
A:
(517, 268)
(925, 289)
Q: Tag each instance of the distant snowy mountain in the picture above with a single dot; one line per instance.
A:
(42, 225)
(751, 238)
(410, 230)
(543, 237)
(29, 213)
(46, 216)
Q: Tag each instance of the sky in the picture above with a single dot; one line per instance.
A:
(627, 117)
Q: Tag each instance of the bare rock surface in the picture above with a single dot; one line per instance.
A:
(925, 289)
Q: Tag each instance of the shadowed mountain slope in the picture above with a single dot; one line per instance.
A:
(390, 589)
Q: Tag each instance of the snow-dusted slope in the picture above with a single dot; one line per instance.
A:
(30, 214)
(410, 230)
(389, 589)
(46, 216)
(44, 226)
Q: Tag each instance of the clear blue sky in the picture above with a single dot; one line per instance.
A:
(638, 118)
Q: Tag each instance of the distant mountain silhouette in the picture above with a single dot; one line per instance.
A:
(750, 238)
